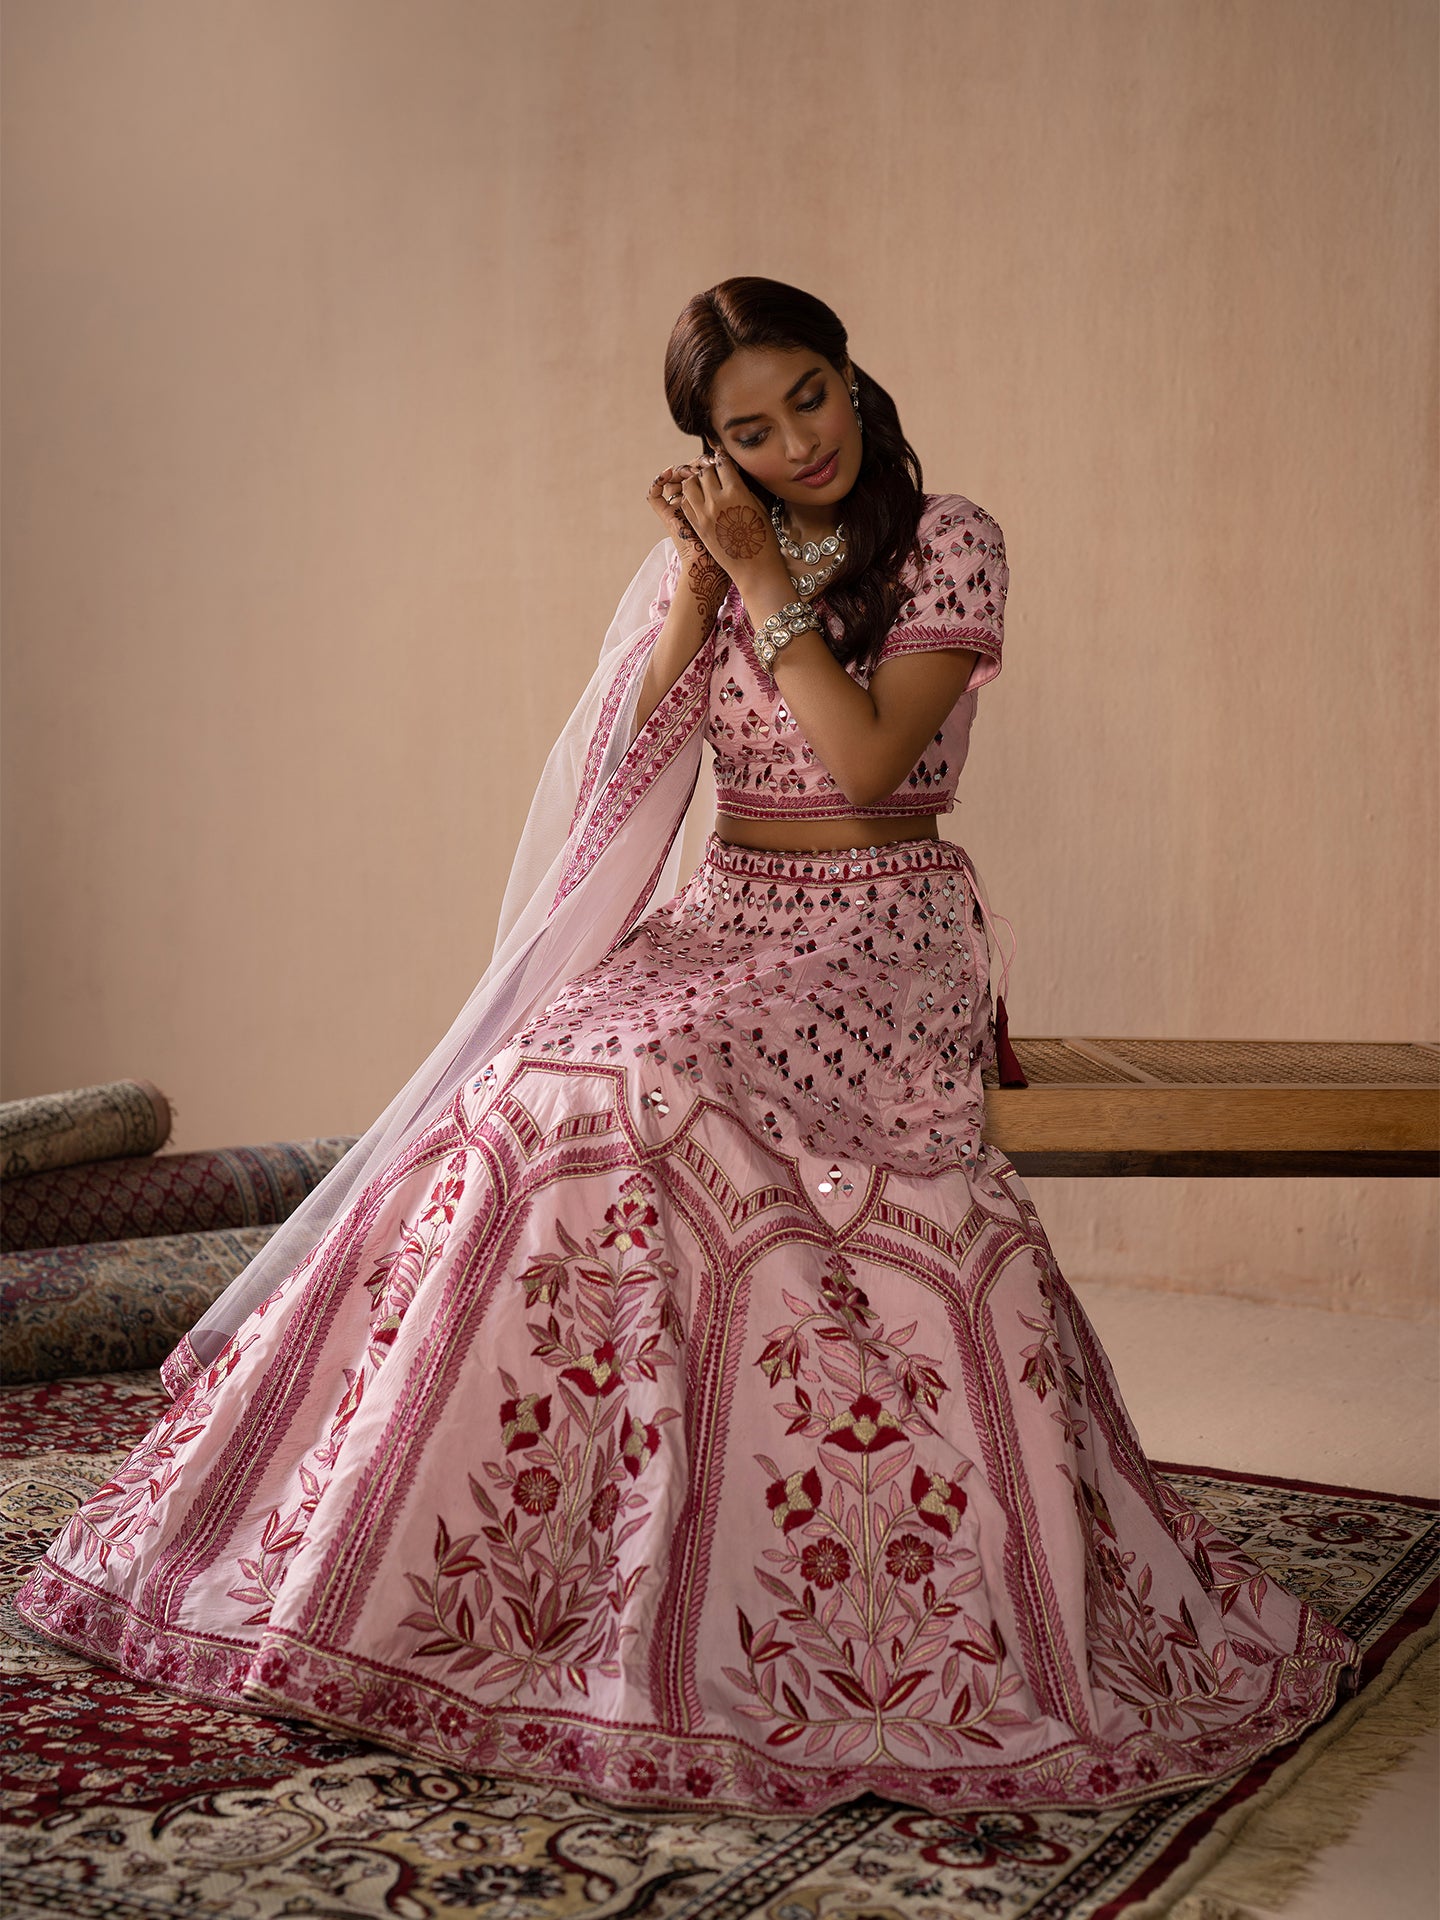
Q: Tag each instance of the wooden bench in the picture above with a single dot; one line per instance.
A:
(1220, 1107)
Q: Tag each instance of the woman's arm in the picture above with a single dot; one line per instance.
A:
(698, 593)
(866, 739)
(699, 590)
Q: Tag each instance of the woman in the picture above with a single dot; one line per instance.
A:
(674, 1397)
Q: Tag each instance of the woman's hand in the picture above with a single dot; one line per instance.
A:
(700, 577)
(730, 522)
(665, 497)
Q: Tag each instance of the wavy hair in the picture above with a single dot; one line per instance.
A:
(882, 510)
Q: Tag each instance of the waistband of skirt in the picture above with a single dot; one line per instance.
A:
(806, 865)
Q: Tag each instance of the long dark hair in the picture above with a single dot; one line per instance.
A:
(881, 511)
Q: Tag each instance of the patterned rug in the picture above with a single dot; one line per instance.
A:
(123, 1803)
(118, 1303)
(87, 1123)
(163, 1193)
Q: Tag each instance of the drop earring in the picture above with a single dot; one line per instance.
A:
(855, 403)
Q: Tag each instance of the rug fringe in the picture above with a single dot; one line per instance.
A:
(1257, 1855)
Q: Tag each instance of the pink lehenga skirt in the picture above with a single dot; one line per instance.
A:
(697, 1414)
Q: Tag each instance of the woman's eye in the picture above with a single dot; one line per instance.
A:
(801, 406)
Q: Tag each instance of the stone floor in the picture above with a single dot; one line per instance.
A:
(1317, 1396)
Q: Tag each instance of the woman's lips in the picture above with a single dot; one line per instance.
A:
(821, 476)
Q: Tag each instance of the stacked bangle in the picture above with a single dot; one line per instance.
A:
(780, 629)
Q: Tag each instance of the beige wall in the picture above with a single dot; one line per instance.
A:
(331, 395)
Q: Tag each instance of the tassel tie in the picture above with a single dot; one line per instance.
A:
(1007, 1064)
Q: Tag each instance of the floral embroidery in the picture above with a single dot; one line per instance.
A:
(1049, 1369)
(543, 1602)
(114, 1520)
(1155, 1663)
(392, 1285)
(889, 1660)
(579, 1546)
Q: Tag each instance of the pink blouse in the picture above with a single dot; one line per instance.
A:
(764, 766)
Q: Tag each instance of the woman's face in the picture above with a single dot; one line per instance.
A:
(782, 412)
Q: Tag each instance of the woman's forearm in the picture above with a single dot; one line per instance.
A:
(698, 593)
(865, 753)
(834, 712)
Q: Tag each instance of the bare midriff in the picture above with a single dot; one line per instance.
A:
(825, 836)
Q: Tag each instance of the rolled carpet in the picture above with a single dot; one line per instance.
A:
(164, 1193)
(120, 1304)
(87, 1123)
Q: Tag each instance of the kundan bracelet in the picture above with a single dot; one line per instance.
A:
(780, 629)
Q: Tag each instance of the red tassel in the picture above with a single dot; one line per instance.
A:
(1008, 1066)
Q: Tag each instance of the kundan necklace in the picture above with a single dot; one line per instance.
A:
(811, 554)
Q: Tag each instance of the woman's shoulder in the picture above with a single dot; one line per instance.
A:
(948, 514)
(951, 528)
(955, 596)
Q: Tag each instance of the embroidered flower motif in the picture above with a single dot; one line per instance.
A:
(699, 1782)
(604, 1507)
(781, 1358)
(909, 1558)
(638, 1445)
(536, 1490)
(864, 1427)
(403, 1713)
(534, 1737)
(844, 1298)
(643, 1773)
(792, 1500)
(596, 1373)
(523, 1420)
(825, 1563)
(628, 1221)
(937, 1501)
(920, 1382)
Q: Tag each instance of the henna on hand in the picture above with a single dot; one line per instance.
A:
(708, 583)
(741, 531)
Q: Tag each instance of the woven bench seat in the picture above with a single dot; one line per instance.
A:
(1221, 1107)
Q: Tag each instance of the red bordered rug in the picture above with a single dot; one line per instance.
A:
(124, 1803)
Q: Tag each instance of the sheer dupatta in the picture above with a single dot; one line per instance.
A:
(601, 844)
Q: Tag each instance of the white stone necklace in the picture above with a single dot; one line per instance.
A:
(811, 554)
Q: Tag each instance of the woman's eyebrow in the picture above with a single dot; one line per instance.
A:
(744, 419)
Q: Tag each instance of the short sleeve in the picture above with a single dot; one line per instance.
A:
(957, 596)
